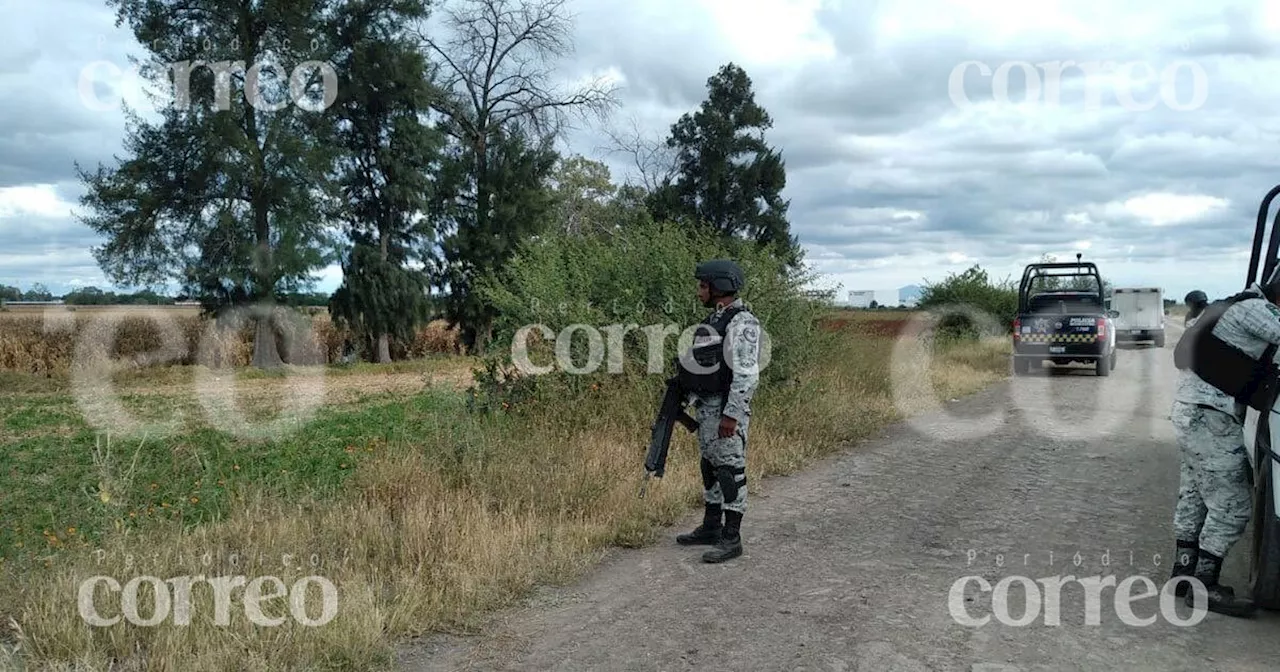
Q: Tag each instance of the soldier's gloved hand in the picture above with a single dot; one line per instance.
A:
(728, 426)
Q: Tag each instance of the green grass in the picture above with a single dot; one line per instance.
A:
(65, 483)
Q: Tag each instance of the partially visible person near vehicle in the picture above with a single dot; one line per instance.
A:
(1196, 303)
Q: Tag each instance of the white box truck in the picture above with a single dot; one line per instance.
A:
(1140, 314)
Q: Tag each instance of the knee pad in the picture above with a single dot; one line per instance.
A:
(729, 482)
(708, 474)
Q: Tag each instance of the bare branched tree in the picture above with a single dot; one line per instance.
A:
(654, 161)
(497, 61)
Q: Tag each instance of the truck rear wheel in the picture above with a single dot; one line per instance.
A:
(1160, 340)
(1021, 366)
(1264, 571)
(1104, 365)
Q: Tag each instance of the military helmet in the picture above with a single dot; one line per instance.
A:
(1196, 297)
(722, 274)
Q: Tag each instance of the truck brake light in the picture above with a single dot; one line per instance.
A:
(1017, 327)
(1102, 328)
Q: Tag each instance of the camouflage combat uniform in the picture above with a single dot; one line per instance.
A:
(1215, 491)
(743, 335)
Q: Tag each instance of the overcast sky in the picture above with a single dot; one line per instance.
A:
(892, 178)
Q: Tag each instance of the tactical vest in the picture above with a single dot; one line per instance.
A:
(712, 374)
(1252, 382)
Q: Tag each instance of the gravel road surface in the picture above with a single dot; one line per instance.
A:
(849, 565)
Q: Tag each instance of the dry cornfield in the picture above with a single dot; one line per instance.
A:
(50, 341)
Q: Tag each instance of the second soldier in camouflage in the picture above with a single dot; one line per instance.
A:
(1215, 493)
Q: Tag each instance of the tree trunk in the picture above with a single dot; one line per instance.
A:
(384, 349)
(470, 338)
(265, 353)
(483, 196)
(384, 339)
(483, 335)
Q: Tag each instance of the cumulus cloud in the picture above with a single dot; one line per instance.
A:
(891, 178)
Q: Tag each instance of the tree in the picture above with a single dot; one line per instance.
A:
(38, 292)
(582, 193)
(222, 193)
(728, 177)
(384, 174)
(654, 160)
(378, 299)
(1082, 283)
(516, 170)
(499, 98)
(89, 296)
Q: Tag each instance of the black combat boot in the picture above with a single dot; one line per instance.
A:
(730, 544)
(1221, 599)
(706, 533)
(1184, 564)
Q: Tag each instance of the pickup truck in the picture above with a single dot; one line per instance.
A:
(1063, 325)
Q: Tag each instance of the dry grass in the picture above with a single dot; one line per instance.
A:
(442, 519)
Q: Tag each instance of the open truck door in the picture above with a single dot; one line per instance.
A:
(1262, 439)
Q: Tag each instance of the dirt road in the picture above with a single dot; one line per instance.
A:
(849, 565)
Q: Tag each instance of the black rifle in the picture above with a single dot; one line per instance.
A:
(670, 411)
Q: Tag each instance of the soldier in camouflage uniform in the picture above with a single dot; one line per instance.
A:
(723, 419)
(1215, 491)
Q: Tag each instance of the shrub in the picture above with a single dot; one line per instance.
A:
(973, 290)
(641, 276)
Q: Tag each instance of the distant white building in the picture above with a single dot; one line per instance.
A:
(861, 299)
(882, 297)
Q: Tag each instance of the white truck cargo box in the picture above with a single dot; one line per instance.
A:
(1141, 314)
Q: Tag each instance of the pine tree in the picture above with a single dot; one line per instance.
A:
(384, 180)
(520, 205)
(727, 177)
(222, 194)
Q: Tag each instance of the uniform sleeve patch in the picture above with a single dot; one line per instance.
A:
(1274, 309)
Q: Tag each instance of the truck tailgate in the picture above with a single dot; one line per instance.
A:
(1080, 328)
